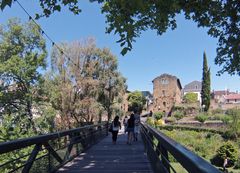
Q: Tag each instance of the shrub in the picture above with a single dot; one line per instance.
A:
(217, 111)
(158, 115)
(234, 125)
(190, 98)
(225, 151)
(237, 164)
(178, 114)
(160, 122)
(224, 118)
(229, 134)
(150, 121)
(232, 111)
(170, 120)
(201, 117)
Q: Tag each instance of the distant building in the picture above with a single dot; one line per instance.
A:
(193, 87)
(232, 98)
(217, 95)
(166, 92)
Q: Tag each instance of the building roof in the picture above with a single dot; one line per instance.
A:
(169, 76)
(232, 97)
(221, 92)
(194, 86)
(147, 94)
(164, 75)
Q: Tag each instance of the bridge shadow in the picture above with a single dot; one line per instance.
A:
(106, 157)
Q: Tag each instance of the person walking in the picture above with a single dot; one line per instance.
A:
(116, 126)
(130, 129)
(136, 125)
(125, 122)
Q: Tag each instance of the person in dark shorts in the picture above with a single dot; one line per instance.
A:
(130, 129)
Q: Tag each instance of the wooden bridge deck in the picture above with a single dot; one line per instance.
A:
(108, 158)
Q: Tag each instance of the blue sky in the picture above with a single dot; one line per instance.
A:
(178, 52)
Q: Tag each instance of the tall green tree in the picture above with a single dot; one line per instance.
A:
(22, 55)
(129, 19)
(136, 101)
(206, 85)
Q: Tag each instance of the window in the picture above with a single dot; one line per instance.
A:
(163, 92)
(164, 81)
(164, 104)
(196, 87)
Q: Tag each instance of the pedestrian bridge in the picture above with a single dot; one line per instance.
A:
(89, 149)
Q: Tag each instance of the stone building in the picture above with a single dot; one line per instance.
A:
(166, 92)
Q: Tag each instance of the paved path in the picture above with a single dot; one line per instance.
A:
(108, 158)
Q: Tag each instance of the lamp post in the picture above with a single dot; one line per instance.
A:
(203, 107)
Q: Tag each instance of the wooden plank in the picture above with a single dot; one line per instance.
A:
(106, 157)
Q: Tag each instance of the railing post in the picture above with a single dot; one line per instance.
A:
(151, 137)
(31, 158)
(164, 157)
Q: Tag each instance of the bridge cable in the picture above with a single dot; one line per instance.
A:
(44, 33)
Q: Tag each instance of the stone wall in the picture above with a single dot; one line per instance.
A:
(166, 92)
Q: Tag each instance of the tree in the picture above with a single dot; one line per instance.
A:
(84, 81)
(130, 18)
(190, 98)
(22, 54)
(205, 93)
(136, 101)
(227, 150)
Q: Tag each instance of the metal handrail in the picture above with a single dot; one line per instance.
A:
(190, 161)
(86, 136)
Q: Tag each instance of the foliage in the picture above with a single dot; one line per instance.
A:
(234, 125)
(201, 117)
(14, 128)
(178, 114)
(217, 111)
(45, 122)
(223, 117)
(206, 90)
(230, 111)
(158, 115)
(86, 85)
(237, 164)
(159, 122)
(150, 121)
(136, 101)
(204, 144)
(170, 120)
(190, 98)
(189, 128)
(22, 54)
(228, 151)
(130, 18)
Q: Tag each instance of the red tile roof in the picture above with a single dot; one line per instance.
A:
(233, 97)
(221, 92)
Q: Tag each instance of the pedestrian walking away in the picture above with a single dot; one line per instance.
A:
(125, 122)
(130, 129)
(136, 125)
(116, 126)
